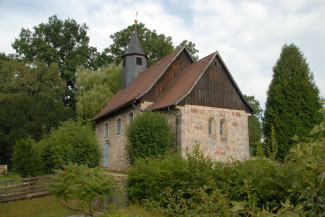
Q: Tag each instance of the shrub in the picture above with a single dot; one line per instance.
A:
(148, 134)
(187, 186)
(23, 158)
(73, 142)
(83, 185)
(154, 179)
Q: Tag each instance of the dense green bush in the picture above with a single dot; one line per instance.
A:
(148, 134)
(83, 185)
(151, 178)
(23, 158)
(73, 141)
(194, 186)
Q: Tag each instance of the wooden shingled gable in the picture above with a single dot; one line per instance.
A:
(207, 82)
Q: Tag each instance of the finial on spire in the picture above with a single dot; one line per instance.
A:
(136, 18)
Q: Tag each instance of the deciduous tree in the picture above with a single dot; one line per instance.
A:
(190, 46)
(63, 42)
(31, 102)
(96, 88)
(156, 46)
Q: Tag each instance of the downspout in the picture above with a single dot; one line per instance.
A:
(140, 109)
(178, 120)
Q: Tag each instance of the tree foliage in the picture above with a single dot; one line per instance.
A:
(254, 122)
(292, 100)
(31, 102)
(148, 135)
(23, 157)
(62, 42)
(82, 185)
(190, 46)
(96, 88)
(156, 46)
(73, 142)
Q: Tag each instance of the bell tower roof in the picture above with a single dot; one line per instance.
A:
(134, 46)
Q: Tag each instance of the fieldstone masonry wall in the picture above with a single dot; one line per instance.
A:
(233, 144)
(116, 158)
(192, 129)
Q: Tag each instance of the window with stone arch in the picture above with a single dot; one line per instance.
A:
(106, 130)
(118, 126)
(212, 127)
(223, 128)
(130, 117)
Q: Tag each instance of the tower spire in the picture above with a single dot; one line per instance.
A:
(136, 20)
(134, 59)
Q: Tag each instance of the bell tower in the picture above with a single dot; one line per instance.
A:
(134, 59)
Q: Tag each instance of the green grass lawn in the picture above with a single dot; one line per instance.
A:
(46, 206)
(9, 176)
(131, 211)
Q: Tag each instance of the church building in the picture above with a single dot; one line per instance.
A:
(201, 100)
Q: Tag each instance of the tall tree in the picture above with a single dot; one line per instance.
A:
(31, 102)
(63, 42)
(254, 122)
(292, 100)
(96, 88)
(156, 46)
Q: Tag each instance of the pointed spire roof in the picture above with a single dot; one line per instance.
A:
(134, 46)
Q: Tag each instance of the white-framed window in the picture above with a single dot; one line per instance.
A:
(106, 130)
(118, 126)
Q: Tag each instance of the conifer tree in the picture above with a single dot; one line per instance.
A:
(292, 100)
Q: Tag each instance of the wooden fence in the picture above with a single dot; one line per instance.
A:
(3, 168)
(18, 189)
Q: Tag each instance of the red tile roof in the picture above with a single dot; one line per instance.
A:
(140, 86)
(184, 83)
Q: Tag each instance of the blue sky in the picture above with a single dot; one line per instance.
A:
(248, 34)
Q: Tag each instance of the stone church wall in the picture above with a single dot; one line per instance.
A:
(116, 155)
(192, 129)
(232, 145)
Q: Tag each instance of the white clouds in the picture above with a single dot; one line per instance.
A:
(248, 34)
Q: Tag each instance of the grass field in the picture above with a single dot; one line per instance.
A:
(9, 176)
(46, 206)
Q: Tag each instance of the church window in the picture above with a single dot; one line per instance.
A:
(118, 126)
(139, 61)
(124, 62)
(212, 127)
(223, 128)
(130, 117)
(106, 130)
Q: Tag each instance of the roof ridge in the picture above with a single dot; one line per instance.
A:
(164, 70)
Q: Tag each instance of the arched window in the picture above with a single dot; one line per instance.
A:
(118, 126)
(106, 130)
(212, 127)
(223, 127)
(130, 117)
